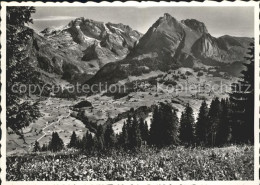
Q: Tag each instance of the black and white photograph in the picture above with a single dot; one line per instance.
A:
(130, 92)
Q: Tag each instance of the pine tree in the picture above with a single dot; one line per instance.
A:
(19, 113)
(155, 130)
(56, 143)
(186, 125)
(135, 138)
(164, 126)
(44, 147)
(169, 122)
(109, 137)
(201, 125)
(99, 139)
(144, 129)
(124, 137)
(36, 147)
(89, 144)
(73, 140)
(214, 121)
(224, 129)
(129, 129)
(146, 132)
(242, 100)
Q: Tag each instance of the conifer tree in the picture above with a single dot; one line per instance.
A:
(56, 143)
(214, 121)
(242, 100)
(144, 129)
(44, 147)
(109, 137)
(201, 125)
(124, 137)
(73, 140)
(99, 138)
(129, 130)
(169, 124)
(89, 142)
(134, 134)
(129, 124)
(164, 126)
(187, 125)
(155, 130)
(98, 144)
(146, 132)
(136, 140)
(224, 129)
(36, 147)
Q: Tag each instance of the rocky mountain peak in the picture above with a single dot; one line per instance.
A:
(162, 38)
(166, 20)
(167, 16)
(195, 25)
(82, 47)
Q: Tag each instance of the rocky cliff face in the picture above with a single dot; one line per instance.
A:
(81, 48)
(170, 43)
(195, 25)
(163, 38)
(206, 47)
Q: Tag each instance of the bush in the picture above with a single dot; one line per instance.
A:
(84, 103)
(170, 82)
(175, 77)
(196, 69)
(188, 73)
(182, 76)
(200, 73)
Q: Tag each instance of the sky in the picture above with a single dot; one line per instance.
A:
(235, 21)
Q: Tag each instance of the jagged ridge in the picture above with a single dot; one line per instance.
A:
(82, 47)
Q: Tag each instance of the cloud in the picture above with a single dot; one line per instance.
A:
(54, 18)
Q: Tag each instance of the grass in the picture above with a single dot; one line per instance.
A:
(179, 163)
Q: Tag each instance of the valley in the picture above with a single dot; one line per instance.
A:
(91, 99)
(174, 62)
(59, 114)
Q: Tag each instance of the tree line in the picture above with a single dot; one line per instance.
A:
(215, 126)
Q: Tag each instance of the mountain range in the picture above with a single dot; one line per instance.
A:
(89, 51)
(79, 49)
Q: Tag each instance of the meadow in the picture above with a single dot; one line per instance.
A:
(171, 163)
